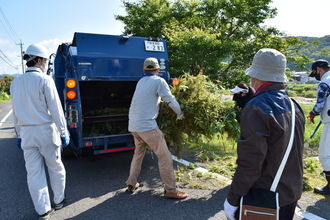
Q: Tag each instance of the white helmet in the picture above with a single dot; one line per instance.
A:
(37, 50)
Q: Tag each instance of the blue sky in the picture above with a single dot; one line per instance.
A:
(53, 22)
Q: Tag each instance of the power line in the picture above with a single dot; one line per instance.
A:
(9, 62)
(12, 35)
(7, 31)
(10, 27)
(7, 58)
(15, 67)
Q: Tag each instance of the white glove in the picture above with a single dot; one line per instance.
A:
(230, 210)
(179, 117)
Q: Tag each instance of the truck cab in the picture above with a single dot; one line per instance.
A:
(96, 76)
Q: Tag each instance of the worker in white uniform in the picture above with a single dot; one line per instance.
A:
(321, 72)
(41, 130)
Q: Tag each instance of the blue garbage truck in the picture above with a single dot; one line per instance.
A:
(96, 76)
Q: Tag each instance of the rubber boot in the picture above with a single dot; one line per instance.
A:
(326, 189)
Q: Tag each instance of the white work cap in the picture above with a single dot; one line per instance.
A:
(238, 89)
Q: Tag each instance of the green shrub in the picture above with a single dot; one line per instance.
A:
(299, 90)
(303, 90)
(310, 94)
(205, 115)
(4, 96)
(292, 93)
(310, 87)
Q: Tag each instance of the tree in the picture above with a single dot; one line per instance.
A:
(217, 38)
(8, 80)
(2, 85)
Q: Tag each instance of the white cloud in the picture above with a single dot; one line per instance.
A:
(52, 44)
(4, 42)
(12, 52)
(9, 57)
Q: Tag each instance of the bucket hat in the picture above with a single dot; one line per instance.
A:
(268, 65)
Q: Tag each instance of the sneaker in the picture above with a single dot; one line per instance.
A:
(131, 188)
(47, 215)
(59, 205)
(322, 190)
(176, 195)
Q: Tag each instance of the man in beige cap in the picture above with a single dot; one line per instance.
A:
(265, 133)
(142, 124)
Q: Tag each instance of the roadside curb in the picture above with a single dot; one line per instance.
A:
(201, 169)
(298, 211)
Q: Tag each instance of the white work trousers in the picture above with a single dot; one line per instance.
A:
(41, 145)
(324, 148)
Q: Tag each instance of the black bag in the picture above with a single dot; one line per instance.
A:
(259, 204)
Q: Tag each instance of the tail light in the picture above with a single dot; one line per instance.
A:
(71, 85)
(71, 94)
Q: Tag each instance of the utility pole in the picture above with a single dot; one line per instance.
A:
(22, 54)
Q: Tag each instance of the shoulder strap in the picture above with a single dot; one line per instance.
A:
(287, 152)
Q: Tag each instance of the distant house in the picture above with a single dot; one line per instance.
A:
(302, 78)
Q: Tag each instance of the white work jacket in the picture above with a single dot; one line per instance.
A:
(325, 113)
(35, 101)
(144, 107)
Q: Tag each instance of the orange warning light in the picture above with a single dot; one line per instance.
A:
(71, 94)
(71, 83)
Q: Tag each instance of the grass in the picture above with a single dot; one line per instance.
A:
(303, 90)
(1, 100)
(219, 156)
(4, 97)
(310, 127)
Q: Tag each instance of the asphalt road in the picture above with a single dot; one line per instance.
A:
(96, 189)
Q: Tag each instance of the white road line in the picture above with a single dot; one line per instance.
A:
(298, 211)
(5, 118)
(307, 215)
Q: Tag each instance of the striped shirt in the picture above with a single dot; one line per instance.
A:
(323, 90)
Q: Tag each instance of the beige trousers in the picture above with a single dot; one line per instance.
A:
(155, 140)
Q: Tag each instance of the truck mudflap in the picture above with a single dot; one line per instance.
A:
(110, 144)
